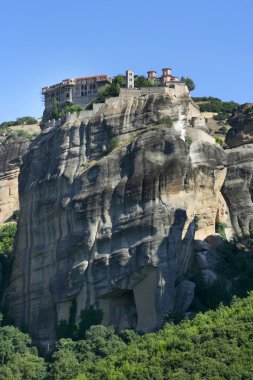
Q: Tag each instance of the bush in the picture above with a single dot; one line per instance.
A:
(107, 91)
(166, 121)
(218, 140)
(26, 120)
(71, 108)
(220, 229)
(188, 139)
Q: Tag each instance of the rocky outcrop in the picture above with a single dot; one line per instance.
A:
(12, 149)
(238, 188)
(110, 204)
(242, 126)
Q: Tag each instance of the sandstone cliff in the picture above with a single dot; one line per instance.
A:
(12, 148)
(111, 202)
(238, 187)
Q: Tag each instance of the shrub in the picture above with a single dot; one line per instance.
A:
(188, 139)
(218, 140)
(71, 108)
(220, 229)
(25, 120)
(107, 91)
(166, 121)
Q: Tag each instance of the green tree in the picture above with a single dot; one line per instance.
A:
(108, 91)
(141, 81)
(189, 83)
(7, 238)
(55, 110)
(70, 108)
(120, 80)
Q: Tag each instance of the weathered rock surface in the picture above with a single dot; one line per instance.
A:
(112, 229)
(11, 152)
(242, 126)
(238, 188)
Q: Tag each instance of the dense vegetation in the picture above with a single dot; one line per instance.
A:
(215, 345)
(26, 120)
(210, 104)
(68, 108)
(7, 238)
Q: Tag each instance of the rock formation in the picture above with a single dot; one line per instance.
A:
(242, 126)
(111, 202)
(238, 187)
(12, 148)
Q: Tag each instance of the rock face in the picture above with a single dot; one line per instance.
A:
(11, 152)
(238, 186)
(242, 126)
(112, 228)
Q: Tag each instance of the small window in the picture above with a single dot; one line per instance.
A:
(67, 95)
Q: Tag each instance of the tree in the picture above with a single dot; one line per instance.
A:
(7, 237)
(120, 80)
(189, 83)
(70, 108)
(55, 111)
(141, 81)
(108, 91)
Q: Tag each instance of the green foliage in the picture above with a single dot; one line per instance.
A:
(224, 109)
(222, 130)
(206, 347)
(55, 109)
(188, 139)
(120, 80)
(234, 271)
(88, 318)
(71, 108)
(26, 120)
(220, 229)
(7, 238)
(14, 134)
(108, 91)
(218, 140)
(166, 121)
(141, 81)
(18, 359)
(189, 83)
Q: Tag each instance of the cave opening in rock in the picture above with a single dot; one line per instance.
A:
(119, 309)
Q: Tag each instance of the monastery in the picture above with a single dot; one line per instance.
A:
(84, 89)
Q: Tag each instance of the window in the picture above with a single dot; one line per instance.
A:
(67, 95)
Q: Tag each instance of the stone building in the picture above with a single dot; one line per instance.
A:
(166, 78)
(78, 90)
(129, 79)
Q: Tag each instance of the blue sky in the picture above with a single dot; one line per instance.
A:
(45, 41)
